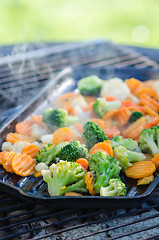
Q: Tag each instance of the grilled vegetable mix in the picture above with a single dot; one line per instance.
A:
(85, 144)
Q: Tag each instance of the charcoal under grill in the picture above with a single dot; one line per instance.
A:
(24, 220)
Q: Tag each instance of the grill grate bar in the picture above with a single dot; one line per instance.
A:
(14, 207)
(119, 226)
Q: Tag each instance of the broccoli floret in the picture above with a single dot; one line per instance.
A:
(72, 151)
(105, 168)
(64, 177)
(58, 118)
(101, 106)
(90, 85)
(115, 188)
(128, 142)
(92, 134)
(49, 152)
(149, 140)
(134, 116)
(126, 157)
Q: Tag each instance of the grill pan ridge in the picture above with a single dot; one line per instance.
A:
(33, 189)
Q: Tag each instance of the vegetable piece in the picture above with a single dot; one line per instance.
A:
(134, 85)
(105, 168)
(23, 165)
(110, 98)
(148, 91)
(152, 123)
(134, 116)
(98, 121)
(38, 119)
(115, 87)
(150, 111)
(102, 146)
(24, 127)
(126, 157)
(115, 188)
(71, 194)
(134, 130)
(90, 181)
(37, 131)
(92, 134)
(111, 132)
(150, 102)
(149, 140)
(58, 118)
(73, 151)
(1, 156)
(31, 150)
(7, 160)
(37, 174)
(79, 127)
(110, 114)
(16, 137)
(66, 97)
(49, 152)
(145, 180)
(90, 85)
(64, 177)
(101, 106)
(122, 116)
(83, 162)
(128, 142)
(63, 135)
(140, 169)
(155, 160)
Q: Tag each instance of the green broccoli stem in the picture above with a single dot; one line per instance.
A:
(112, 105)
(152, 145)
(135, 156)
(71, 120)
(79, 186)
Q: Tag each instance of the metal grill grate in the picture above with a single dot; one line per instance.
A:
(22, 220)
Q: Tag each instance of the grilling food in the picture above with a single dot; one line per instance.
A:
(91, 140)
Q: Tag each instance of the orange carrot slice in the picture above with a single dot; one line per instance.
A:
(122, 116)
(71, 194)
(90, 181)
(111, 132)
(66, 97)
(147, 100)
(1, 156)
(37, 174)
(7, 160)
(102, 146)
(62, 135)
(110, 114)
(155, 160)
(150, 111)
(31, 150)
(110, 98)
(38, 119)
(98, 121)
(140, 169)
(134, 130)
(24, 127)
(23, 165)
(16, 137)
(149, 91)
(134, 85)
(153, 122)
(127, 103)
(83, 162)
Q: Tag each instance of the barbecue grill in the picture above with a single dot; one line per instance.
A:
(24, 220)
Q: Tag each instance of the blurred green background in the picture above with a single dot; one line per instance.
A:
(123, 21)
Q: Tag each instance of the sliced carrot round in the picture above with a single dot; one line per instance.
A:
(140, 169)
(111, 132)
(90, 181)
(98, 121)
(102, 146)
(24, 127)
(83, 162)
(1, 156)
(64, 134)
(16, 137)
(110, 98)
(7, 161)
(23, 165)
(31, 150)
(155, 160)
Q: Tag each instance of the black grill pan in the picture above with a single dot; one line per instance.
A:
(34, 189)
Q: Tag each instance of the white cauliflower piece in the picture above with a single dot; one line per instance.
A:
(77, 133)
(37, 144)
(156, 87)
(47, 138)
(79, 101)
(83, 116)
(115, 87)
(41, 166)
(37, 131)
(18, 146)
(7, 146)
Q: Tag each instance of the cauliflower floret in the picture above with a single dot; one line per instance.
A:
(37, 131)
(83, 116)
(7, 146)
(41, 166)
(79, 101)
(115, 87)
(18, 146)
(156, 87)
(47, 138)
